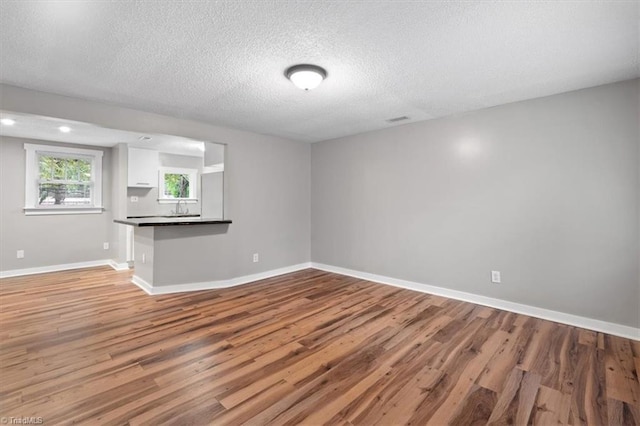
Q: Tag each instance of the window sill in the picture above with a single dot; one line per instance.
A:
(42, 211)
(175, 200)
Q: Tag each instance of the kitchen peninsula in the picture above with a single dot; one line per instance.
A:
(175, 254)
(170, 221)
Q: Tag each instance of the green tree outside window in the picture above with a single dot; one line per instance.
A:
(176, 185)
(63, 178)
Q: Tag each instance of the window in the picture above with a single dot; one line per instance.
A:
(61, 180)
(177, 184)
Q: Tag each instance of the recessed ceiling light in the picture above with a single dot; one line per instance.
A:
(306, 76)
(64, 129)
(8, 121)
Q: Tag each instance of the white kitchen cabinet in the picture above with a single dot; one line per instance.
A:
(143, 168)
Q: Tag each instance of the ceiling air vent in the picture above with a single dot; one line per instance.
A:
(396, 119)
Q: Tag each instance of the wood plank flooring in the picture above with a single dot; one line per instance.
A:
(310, 347)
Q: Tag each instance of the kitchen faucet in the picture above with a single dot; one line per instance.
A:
(179, 210)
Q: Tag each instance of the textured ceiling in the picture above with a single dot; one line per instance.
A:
(223, 62)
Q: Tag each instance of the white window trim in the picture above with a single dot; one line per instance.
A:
(193, 184)
(31, 180)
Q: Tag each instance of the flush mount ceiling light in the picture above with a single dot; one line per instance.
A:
(306, 76)
(8, 121)
(64, 129)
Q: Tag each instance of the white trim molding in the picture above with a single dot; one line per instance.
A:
(211, 285)
(39, 211)
(533, 311)
(145, 286)
(124, 266)
(546, 314)
(63, 267)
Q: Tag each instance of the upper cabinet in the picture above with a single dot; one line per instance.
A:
(143, 167)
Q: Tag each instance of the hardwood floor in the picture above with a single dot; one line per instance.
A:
(311, 347)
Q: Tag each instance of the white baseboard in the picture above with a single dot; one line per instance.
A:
(63, 267)
(52, 268)
(547, 314)
(144, 286)
(119, 266)
(210, 285)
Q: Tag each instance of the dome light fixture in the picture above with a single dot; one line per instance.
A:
(306, 76)
(64, 129)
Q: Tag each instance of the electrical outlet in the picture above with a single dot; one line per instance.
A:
(105, 246)
(134, 199)
(495, 277)
(20, 254)
(256, 257)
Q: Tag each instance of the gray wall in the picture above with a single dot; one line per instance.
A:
(51, 239)
(267, 179)
(148, 204)
(119, 201)
(545, 191)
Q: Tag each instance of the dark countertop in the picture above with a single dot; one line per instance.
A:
(169, 215)
(170, 221)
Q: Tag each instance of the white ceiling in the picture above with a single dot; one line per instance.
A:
(223, 62)
(46, 128)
